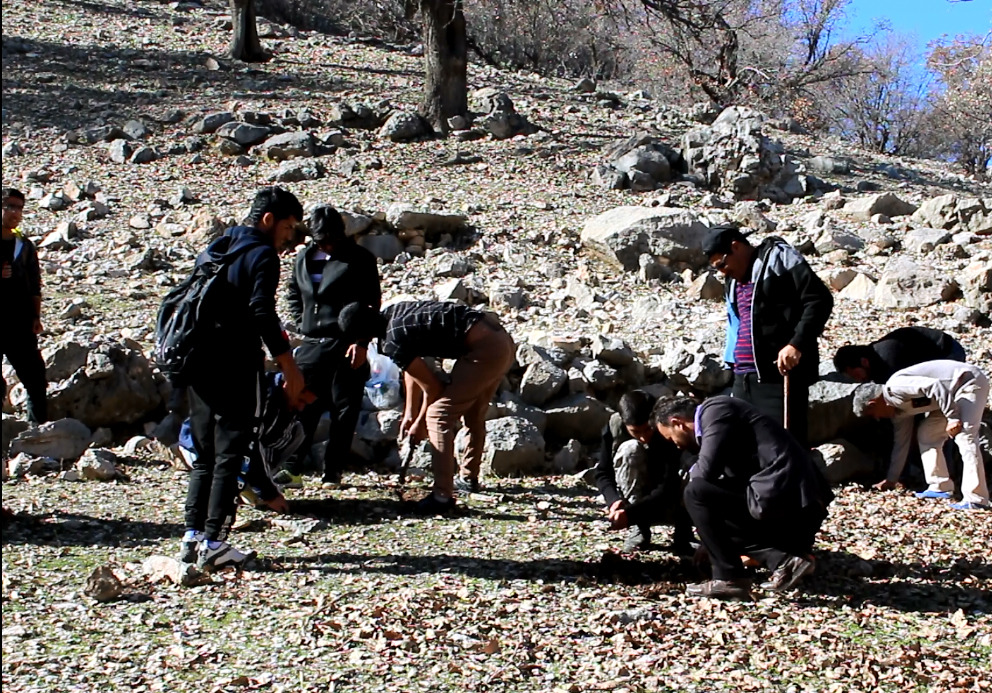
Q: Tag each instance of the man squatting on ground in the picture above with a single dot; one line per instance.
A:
(776, 309)
(639, 475)
(21, 281)
(901, 348)
(952, 395)
(226, 377)
(328, 274)
(753, 491)
(407, 332)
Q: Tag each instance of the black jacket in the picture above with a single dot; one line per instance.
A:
(746, 448)
(791, 305)
(247, 316)
(909, 346)
(664, 478)
(351, 275)
(22, 287)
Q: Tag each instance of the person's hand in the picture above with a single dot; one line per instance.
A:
(616, 505)
(357, 355)
(788, 358)
(618, 519)
(293, 383)
(953, 428)
(278, 504)
(884, 485)
(418, 430)
(37, 327)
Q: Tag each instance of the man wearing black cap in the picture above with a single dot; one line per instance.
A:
(776, 309)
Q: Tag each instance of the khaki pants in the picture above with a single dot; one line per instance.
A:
(474, 381)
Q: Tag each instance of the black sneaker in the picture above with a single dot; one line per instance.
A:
(433, 506)
(466, 484)
(188, 547)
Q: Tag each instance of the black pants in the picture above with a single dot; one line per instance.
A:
(339, 389)
(20, 346)
(769, 398)
(728, 531)
(223, 414)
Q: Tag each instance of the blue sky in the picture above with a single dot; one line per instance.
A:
(927, 19)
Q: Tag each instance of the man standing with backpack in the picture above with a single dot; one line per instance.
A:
(223, 373)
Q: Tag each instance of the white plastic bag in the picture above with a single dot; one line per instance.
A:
(383, 388)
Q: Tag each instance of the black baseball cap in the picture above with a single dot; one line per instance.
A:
(719, 238)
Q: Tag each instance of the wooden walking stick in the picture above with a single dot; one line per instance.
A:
(785, 400)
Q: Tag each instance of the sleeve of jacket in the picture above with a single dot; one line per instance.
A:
(33, 268)
(264, 273)
(294, 297)
(603, 472)
(717, 445)
(817, 305)
(657, 506)
(372, 289)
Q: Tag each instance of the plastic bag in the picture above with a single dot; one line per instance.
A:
(384, 387)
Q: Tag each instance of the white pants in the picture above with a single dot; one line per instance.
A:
(970, 399)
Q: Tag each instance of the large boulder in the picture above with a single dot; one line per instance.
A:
(12, 427)
(64, 439)
(690, 366)
(542, 381)
(407, 217)
(244, 134)
(576, 416)
(831, 411)
(888, 204)
(296, 170)
(288, 145)
(114, 386)
(954, 213)
(840, 461)
(379, 427)
(734, 155)
(97, 464)
(514, 447)
(923, 241)
(905, 284)
(403, 126)
(621, 235)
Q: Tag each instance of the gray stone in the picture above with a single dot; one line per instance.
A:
(288, 145)
(212, 121)
(829, 165)
(12, 427)
(452, 265)
(136, 130)
(841, 462)
(649, 268)
(120, 151)
(647, 159)
(621, 235)
(509, 404)
(244, 134)
(584, 86)
(355, 224)
(55, 202)
(833, 238)
(143, 155)
(541, 382)
(403, 126)
(62, 439)
(115, 386)
(705, 287)
(922, 241)
(576, 416)
(452, 290)
(831, 411)
(21, 465)
(598, 376)
(514, 447)
(955, 213)
(609, 178)
(379, 427)
(886, 203)
(612, 351)
(385, 246)
(403, 217)
(97, 464)
(904, 284)
(690, 366)
(297, 170)
(566, 460)
(12, 149)
(353, 115)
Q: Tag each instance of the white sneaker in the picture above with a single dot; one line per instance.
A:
(222, 555)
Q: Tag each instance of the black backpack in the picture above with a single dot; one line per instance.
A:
(186, 313)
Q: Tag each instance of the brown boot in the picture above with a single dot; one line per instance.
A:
(739, 588)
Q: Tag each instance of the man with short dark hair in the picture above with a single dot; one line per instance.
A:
(901, 348)
(753, 491)
(952, 396)
(639, 476)
(408, 331)
(21, 281)
(225, 383)
(776, 310)
(328, 274)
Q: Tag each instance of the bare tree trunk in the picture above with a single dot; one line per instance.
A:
(445, 62)
(245, 45)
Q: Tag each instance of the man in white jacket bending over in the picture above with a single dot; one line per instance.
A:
(952, 395)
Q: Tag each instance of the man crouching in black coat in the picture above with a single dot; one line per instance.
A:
(753, 491)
